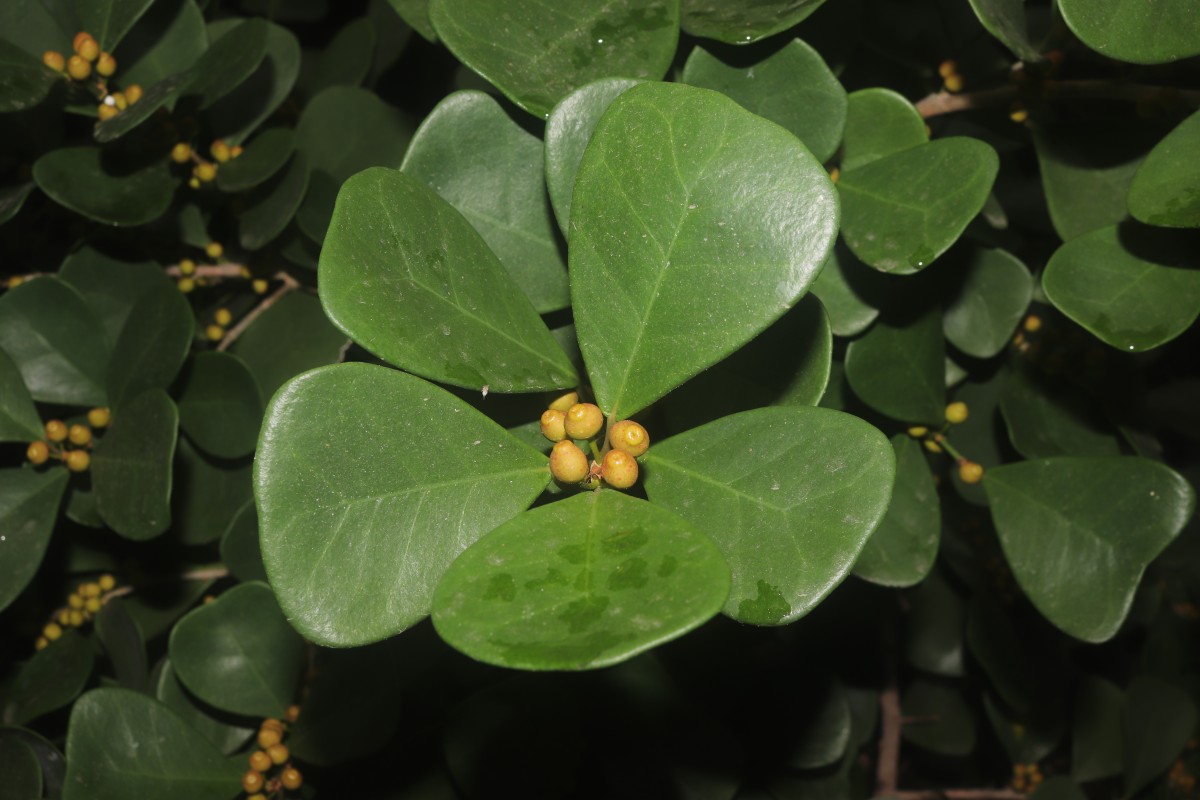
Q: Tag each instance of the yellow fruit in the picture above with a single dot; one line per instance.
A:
(620, 470)
(194, 183)
(86, 46)
(1019, 115)
(220, 151)
(41, 643)
(236, 151)
(63, 616)
(271, 724)
(252, 781)
(181, 153)
(78, 460)
(52, 631)
(291, 778)
(278, 754)
(970, 472)
(260, 761)
(568, 463)
(79, 434)
(75, 601)
(564, 402)
(187, 267)
(37, 452)
(106, 65)
(106, 112)
(205, 172)
(133, 93)
(186, 285)
(629, 437)
(90, 589)
(54, 60)
(835, 174)
(56, 430)
(214, 250)
(954, 83)
(956, 413)
(106, 583)
(932, 446)
(215, 333)
(584, 420)
(78, 68)
(268, 737)
(223, 317)
(1033, 323)
(292, 714)
(260, 286)
(917, 431)
(553, 425)
(76, 618)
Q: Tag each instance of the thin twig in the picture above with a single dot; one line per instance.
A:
(887, 769)
(289, 284)
(223, 270)
(955, 794)
(208, 574)
(945, 103)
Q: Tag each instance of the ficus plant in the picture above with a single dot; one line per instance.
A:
(600, 398)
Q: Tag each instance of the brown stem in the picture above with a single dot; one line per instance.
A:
(207, 574)
(288, 284)
(887, 769)
(225, 270)
(955, 794)
(945, 103)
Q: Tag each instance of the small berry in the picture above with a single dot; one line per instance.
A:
(271, 724)
(1033, 323)
(214, 333)
(256, 796)
(106, 582)
(133, 93)
(553, 425)
(56, 430)
(932, 446)
(835, 174)
(584, 420)
(78, 68)
(564, 402)
(568, 463)
(187, 267)
(291, 778)
(260, 761)
(37, 452)
(106, 65)
(236, 151)
(205, 172)
(917, 431)
(252, 781)
(92, 605)
(14, 281)
(954, 83)
(41, 643)
(75, 618)
(970, 472)
(106, 112)
(52, 631)
(1019, 115)
(194, 183)
(79, 434)
(78, 460)
(54, 60)
(947, 68)
(86, 46)
(629, 437)
(268, 737)
(63, 616)
(278, 754)
(213, 249)
(223, 317)
(181, 153)
(220, 151)
(259, 286)
(186, 285)
(90, 589)
(75, 601)
(956, 413)
(620, 470)
(292, 714)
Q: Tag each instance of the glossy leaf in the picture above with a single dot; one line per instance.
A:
(21, 770)
(239, 546)
(993, 292)
(902, 549)
(152, 345)
(236, 115)
(225, 731)
(55, 341)
(1164, 31)
(87, 182)
(901, 212)
(408, 278)
(50, 680)
(879, 123)
(1159, 721)
(548, 55)
(167, 40)
(624, 576)
(271, 206)
(29, 503)
(937, 622)
(569, 128)
(897, 368)
(822, 721)
(122, 640)
(742, 23)
(109, 20)
(416, 14)
(110, 285)
(12, 199)
(792, 87)
(290, 337)
(154, 98)
(131, 466)
(1134, 289)
(1163, 190)
(490, 169)
(219, 405)
(207, 494)
(1079, 532)
(790, 495)
(236, 49)
(24, 80)
(948, 725)
(264, 157)
(398, 498)
(31, 26)
(238, 653)
(123, 744)
(1005, 19)
(687, 209)
(1098, 730)
(1048, 418)
(347, 58)
(19, 420)
(850, 291)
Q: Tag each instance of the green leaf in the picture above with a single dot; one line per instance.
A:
(123, 744)
(109, 20)
(21, 770)
(1028, 738)
(1133, 288)
(167, 40)
(948, 726)
(1167, 30)
(934, 641)
(850, 291)
(742, 23)
(790, 495)
(1097, 730)
(1163, 190)
(122, 640)
(110, 286)
(131, 466)
(897, 368)
(1079, 532)
(29, 502)
(50, 680)
(270, 207)
(902, 211)
(347, 58)
(705, 183)
(152, 345)
(238, 653)
(107, 190)
(29, 25)
(983, 434)
(219, 405)
(408, 278)
(490, 169)
(569, 128)
(239, 546)
(263, 157)
(548, 53)
(19, 420)
(416, 14)
(154, 98)
(24, 80)
(401, 494)
(12, 199)
(290, 337)
(343, 131)
(225, 731)
(902, 549)
(1058, 787)
(819, 721)
(55, 341)
(993, 292)
(1159, 720)
(239, 113)
(236, 49)
(155, 608)
(1005, 19)
(791, 87)
(207, 494)
(1052, 418)
(625, 576)
(1000, 649)
(879, 123)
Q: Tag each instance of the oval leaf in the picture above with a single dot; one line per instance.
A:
(790, 495)
(993, 291)
(19, 420)
(131, 466)
(850, 291)
(109, 20)
(415, 477)
(219, 406)
(1166, 30)
(879, 122)
(24, 80)
(226, 731)
(1005, 19)
(271, 206)
(152, 345)
(103, 188)
(1048, 417)
(29, 503)
(50, 680)
(288, 338)
(1159, 720)
(264, 157)
(742, 23)
(1163, 191)
(898, 368)
(110, 286)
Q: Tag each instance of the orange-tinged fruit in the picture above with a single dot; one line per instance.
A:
(214, 250)
(271, 724)
(79, 434)
(278, 753)
(260, 761)
(554, 425)
(291, 778)
(78, 460)
(957, 413)
(133, 93)
(54, 60)
(584, 420)
(268, 737)
(106, 112)
(86, 47)
(568, 463)
(78, 68)
(181, 152)
(56, 430)
(970, 472)
(292, 714)
(629, 437)
(37, 452)
(947, 68)
(1033, 323)
(106, 65)
(252, 781)
(564, 402)
(619, 469)
(106, 582)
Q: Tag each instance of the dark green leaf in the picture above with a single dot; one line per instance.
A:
(49, 757)
(946, 725)
(819, 724)
(790, 495)
(936, 626)
(624, 576)
(226, 731)
(792, 87)
(483, 163)
(1097, 731)
(705, 183)
(1005, 19)
(850, 291)
(55, 341)
(548, 55)
(109, 20)
(167, 40)
(131, 466)
(1163, 190)
(50, 680)
(347, 58)
(742, 23)
(983, 434)
(24, 80)
(271, 206)
(219, 405)
(401, 494)
(1058, 787)
(994, 290)
(1052, 418)
(236, 49)
(902, 549)
(879, 122)
(152, 345)
(898, 368)
(238, 653)
(122, 744)
(19, 420)
(110, 286)
(104, 189)
(1027, 739)
(207, 495)
(29, 25)
(239, 113)
(21, 770)
(999, 648)
(1167, 30)
(122, 641)
(1159, 720)
(1079, 532)
(12, 198)
(264, 157)
(1132, 287)
(156, 606)
(29, 503)
(902, 211)
(239, 546)
(416, 14)
(288, 338)
(408, 278)
(154, 98)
